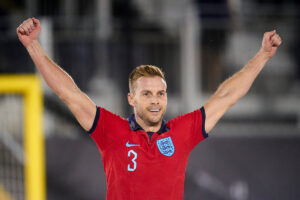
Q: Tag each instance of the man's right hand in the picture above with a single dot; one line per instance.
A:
(57, 79)
(29, 31)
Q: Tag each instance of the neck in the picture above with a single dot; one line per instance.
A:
(148, 127)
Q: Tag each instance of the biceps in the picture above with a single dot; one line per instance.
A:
(83, 108)
(215, 108)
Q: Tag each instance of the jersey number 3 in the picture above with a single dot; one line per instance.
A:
(131, 169)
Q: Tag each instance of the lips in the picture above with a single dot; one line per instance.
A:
(154, 110)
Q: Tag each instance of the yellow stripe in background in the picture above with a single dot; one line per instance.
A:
(29, 85)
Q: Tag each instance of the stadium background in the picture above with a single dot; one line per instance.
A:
(253, 153)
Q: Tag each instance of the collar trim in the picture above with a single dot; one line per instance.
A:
(135, 126)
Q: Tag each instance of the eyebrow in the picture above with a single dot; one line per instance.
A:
(151, 91)
(163, 91)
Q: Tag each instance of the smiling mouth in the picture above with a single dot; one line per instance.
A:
(154, 110)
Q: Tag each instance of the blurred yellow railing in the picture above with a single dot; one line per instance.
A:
(29, 86)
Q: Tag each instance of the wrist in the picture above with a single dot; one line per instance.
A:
(32, 44)
(264, 54)
(33, 47)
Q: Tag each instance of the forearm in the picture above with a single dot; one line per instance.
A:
(231, 90)
(239, 84)
(56, 78)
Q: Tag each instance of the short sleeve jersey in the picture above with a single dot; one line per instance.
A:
(138, 168)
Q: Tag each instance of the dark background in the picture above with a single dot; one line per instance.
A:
(251, 154)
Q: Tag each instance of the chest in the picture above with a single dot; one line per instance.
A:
(134, 152)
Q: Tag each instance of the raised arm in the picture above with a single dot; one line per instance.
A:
(235, 87)
(57, 79)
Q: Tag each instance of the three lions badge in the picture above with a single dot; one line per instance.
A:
(166, 146)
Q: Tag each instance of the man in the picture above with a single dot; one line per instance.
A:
(144, 157)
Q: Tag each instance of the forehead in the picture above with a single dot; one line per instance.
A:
(150, 83)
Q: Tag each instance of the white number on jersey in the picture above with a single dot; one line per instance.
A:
(133, 160)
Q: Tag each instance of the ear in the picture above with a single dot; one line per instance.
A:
(130, 98)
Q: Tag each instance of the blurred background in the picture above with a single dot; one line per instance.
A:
(253, 153)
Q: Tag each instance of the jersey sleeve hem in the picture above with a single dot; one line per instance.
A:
(205, 135)
(95, 121)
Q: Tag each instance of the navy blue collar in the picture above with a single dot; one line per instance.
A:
(135, 126)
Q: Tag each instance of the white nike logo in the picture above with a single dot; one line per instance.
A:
(131, 145)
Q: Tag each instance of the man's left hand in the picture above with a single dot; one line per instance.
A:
(271, 41)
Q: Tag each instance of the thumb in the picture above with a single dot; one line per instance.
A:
(272, 32)
(269, 35)
(36, 22)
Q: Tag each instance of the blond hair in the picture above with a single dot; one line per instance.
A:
(144, 70)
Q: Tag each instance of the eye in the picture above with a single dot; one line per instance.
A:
(146, 94)
(161, 94)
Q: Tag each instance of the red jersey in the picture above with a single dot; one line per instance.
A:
(139, 168)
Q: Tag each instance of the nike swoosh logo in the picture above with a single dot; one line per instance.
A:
(131, 145)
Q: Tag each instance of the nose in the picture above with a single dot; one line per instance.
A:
(154, 100)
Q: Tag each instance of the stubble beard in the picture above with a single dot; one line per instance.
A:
(147, 119)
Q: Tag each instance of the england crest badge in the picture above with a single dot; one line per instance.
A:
(166, 146)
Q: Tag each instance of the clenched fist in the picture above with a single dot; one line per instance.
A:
(270, 43)
(29, 31)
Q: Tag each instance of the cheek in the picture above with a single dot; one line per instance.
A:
(165, 101)
(139, 103)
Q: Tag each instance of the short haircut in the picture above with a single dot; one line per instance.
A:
(144, 70)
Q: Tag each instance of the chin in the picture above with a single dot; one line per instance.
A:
(153, 123)
(155, 120)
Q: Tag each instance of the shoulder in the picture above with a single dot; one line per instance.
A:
(190, 127)
(111, 118)
(192, 121)
(107, 119)
(198, 114)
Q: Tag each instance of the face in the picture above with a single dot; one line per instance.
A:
(149, 99)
